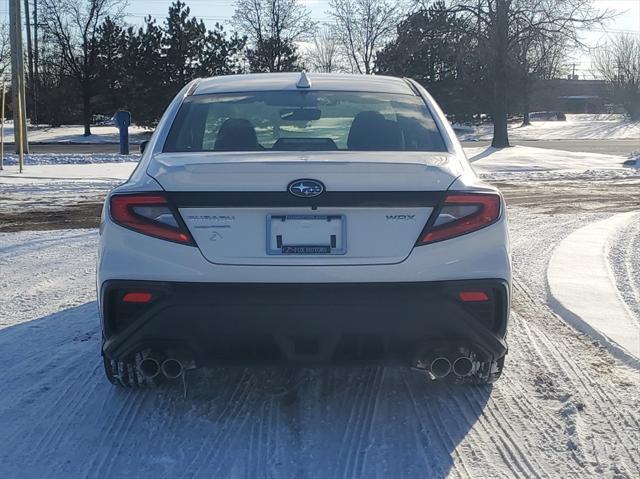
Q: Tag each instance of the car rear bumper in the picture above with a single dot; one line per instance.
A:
(305, 322)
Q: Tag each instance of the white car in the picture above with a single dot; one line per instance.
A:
(295, 217)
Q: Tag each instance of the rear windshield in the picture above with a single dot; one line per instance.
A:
(304, 121)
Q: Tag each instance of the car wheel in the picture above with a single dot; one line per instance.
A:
(492, 372)
(126, 374)
(488, 373)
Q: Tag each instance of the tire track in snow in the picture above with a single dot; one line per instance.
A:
(358, 455)
(359, 416)
(524, 459)
(508, 452)
(559, 392)
(583, 386)
(432, 407)
(457, 396)
(624, 261)
(514, 393)
(121, 426)
(413, 429)
(547, 378)
(55, 417)
(233, 419)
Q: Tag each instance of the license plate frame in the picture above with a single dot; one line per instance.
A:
(332, 243)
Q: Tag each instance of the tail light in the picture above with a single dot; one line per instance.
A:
(149, 214)
(462, 213)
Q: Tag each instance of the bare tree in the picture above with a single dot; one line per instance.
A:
(273, 27)
(362, 28)
(5, 49)
(324, 55)
(73, 26)
(538, 57)
(506, 24)
(618, 62)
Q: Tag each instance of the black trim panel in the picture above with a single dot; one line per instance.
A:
(241, 199)
(220, 321)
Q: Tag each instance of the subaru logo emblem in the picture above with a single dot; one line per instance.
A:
(306, 188)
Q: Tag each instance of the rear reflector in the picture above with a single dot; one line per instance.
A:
(462, 213)
(149, 214)
(473, 296)
(137, 297)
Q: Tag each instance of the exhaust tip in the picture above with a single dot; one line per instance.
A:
(440, 367)
(172, 368)
(462, 366)
(149, 367)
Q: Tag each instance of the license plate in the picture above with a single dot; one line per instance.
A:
(306, 235)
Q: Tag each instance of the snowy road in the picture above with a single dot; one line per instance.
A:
(564, 408)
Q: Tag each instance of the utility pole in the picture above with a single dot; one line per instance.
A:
(27, 20)
(17, 79)
(2, 129)
(36, 75)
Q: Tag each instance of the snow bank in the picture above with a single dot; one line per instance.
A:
(577, 127)
(539, 163)
(583, 291)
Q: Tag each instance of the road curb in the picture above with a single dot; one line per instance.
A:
(582, 289)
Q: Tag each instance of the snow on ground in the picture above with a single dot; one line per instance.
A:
(75, 134)
(527, 163)
(69, 159)
(624, 258)
(564, 408)
(577, 127)
(584, 288)
(56, 185)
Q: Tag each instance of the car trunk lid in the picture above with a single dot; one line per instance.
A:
(238, 208)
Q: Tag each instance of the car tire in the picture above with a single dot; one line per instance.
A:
(126, 374)
(488, 373)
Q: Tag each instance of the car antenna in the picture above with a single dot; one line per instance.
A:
(303, 81)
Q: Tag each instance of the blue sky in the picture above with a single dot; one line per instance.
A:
(222, 10)
(209, 10)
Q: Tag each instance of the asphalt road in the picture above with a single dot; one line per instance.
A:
(612, 147)
(77, 148)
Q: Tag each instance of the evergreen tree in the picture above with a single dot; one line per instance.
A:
(183, 45)
(273, 55)
(221, 56)
(147, 92)
(139, 69)
(112, 48)
(435, 46)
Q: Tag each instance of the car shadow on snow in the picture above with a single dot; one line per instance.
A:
(60, 416)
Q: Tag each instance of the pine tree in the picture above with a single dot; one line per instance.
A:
(273, 55)
(111, 51)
